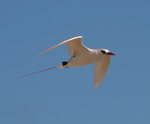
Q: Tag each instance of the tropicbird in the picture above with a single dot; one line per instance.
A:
(80, 55)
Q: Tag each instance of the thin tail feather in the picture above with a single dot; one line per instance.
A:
(39, 71)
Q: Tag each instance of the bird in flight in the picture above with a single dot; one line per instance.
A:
(80, 55)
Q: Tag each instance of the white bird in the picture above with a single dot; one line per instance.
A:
(80, 55)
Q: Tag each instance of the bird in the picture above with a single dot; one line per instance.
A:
(81, 55)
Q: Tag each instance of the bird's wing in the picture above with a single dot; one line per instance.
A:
(100, 70)
(75, 46)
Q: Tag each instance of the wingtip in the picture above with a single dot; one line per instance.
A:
(40, 54)
(96, 87)
(44, 52)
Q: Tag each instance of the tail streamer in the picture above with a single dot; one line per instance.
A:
(36, 72)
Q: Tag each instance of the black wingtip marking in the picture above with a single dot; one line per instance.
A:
(64, 63)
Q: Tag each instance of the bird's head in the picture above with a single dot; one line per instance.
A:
(106, 52)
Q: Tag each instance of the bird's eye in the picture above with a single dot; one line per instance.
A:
(103, 51)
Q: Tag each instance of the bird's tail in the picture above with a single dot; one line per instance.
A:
(61, 66)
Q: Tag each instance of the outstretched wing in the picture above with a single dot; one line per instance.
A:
(100, 70)
(75, 46)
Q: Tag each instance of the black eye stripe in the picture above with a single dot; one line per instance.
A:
(103, 51)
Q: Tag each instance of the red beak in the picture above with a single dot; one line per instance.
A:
(110, 53)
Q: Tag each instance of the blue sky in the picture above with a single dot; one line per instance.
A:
(67, 95)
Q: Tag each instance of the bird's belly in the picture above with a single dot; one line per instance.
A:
(83, 60)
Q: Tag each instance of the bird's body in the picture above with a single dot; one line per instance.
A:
(86, 58)
(80, 55)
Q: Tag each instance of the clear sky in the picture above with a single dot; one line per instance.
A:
(68, 96)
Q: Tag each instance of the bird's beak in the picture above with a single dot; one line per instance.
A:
(110, 53)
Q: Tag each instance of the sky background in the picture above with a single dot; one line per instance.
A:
(68, 96)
